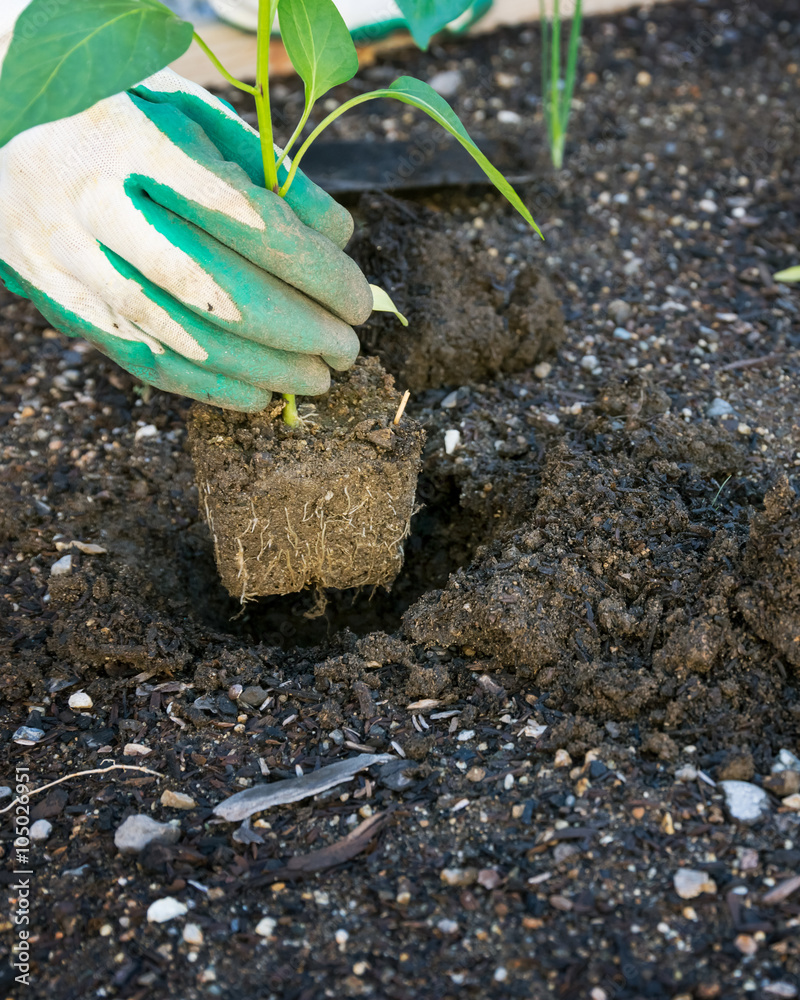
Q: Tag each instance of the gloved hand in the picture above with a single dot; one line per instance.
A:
(143, 225)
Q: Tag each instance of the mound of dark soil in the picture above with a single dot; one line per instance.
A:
(486, 317)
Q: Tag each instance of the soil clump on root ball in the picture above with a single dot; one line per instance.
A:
(325, 504)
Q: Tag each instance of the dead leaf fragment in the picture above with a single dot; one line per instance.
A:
(278, 793)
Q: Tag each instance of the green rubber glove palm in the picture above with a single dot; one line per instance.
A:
(154, 238)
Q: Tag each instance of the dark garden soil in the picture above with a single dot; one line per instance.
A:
(597, 622)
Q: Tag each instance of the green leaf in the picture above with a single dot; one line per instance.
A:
(382, 302)
(318, 43)
(420, 95)
(427, 17)
(64, 58)
(789, 275)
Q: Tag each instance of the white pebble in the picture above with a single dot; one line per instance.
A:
(690, 883)
(266, 927)
(41, 830)
(62, 566)
(80, 702)
(781, 989)
(707, 205)
(589, 362)
(165, 909)
(543, 369)
(746, 802)
(506, 117)
(452, 439)
(193, 934)
(148, 431)
(450, 400)
(719, 408)
(140, 830)
(447, 83)
(786, 762)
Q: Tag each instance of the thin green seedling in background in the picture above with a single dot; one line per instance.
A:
(725, 482)
(557, 92)
(108, 46)
(790, 275)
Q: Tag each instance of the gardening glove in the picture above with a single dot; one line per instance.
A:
(364, 18)
(142, 225)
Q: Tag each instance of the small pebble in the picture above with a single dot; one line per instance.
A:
(506, 117)
(786, 762)
(447, 926)
(450, 400)
(562, 759)
(792, 802)
(139, 830)
(80, 702)
(643, 78)
(500, 974)
(193, 934)
(177, 800)
(489, 878)
(746, 944)
(781, 989)
(148, 431)
(447, 83)
(458, 876)
(719, 408)
(542, 370)
(690, 883)
(62, 566)
(744, 801)
(589, 362)
(619, 311)
(165, 909)
(27, 736)
(266, 928)
(707, 205)
(41, 830)
(452, 439)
